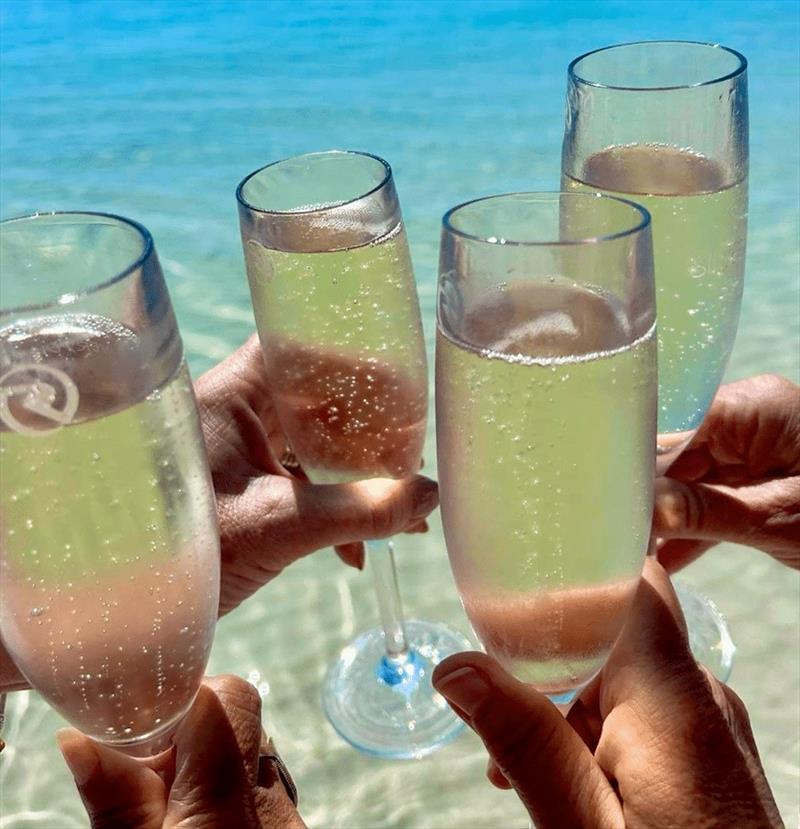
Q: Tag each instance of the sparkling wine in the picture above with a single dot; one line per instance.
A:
(544, 427)
(108, 540)
(699, 232)
(347, 417)
(345, 358)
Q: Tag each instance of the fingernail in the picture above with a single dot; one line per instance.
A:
(426, 496)
(360, 559)
(466, 688)
(79, 754)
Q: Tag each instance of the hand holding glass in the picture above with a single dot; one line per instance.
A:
(665, 123)
(339, 322)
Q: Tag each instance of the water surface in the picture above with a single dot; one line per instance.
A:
(156, 110)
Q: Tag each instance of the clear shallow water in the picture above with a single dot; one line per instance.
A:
(157, 110)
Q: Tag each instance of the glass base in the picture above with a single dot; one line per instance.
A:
(387, 707)
(709, 637)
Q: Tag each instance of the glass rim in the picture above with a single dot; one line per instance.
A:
(70, 297)
(739, 70)
(548, 195)
(387, 177)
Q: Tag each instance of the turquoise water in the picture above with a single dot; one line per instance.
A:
(156, 110)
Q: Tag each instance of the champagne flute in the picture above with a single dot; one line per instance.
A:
(109, 551)
(545, 415)
(665, 124)
(339, 322)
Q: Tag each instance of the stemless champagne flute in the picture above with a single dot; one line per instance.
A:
(545, 417)
(339, 322)
(109, 550)
(665, 123)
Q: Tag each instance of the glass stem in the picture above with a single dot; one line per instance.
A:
(391, 610)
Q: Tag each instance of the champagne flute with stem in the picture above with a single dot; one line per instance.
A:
(339, 323)
(109, 549)
(545, 417)
(665, 123)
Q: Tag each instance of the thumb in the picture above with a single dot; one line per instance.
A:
(336, 514)
(661, 722)
(547, 763)
(276, 520)
(297, 517)
(216, 750)
(117, 791)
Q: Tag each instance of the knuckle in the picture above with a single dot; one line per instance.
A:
(233, 691)
(776, 383)
(694, 508)
(680, 508)
(128, 816)
(381, 521)
(512, 737)
(385, 516)
(738, 710)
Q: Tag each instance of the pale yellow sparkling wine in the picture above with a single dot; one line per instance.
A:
(345, 356)
(546, 474)
(109, 552)
(699, 236)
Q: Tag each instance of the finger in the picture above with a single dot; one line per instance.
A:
(377, 508)
(675, 554)
(738, 719)
(766, 516)
(753, 426)
(117, 791)
(216, 758)
(734, 711)
(496, 777)
(242, 372)
(276, 520)
(687, 510)
(652, 648)
(653, 639)
(693, 464)
(649, 676)
(272, 797)
(585, 719)
(659, 713)
(352, 554)
(242, 706)
(530, 743)
(238, 418)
